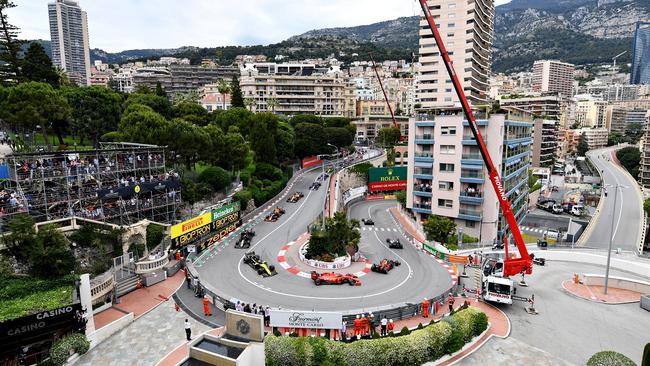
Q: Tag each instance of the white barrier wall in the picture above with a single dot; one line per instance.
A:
(617, 282)
(108, 330)
(639, 268)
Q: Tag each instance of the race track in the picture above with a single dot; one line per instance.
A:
(223, 272)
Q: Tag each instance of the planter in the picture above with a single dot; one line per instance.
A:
(339, 263)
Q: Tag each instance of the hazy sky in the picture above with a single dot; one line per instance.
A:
(118, 25)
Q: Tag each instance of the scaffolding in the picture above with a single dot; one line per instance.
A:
(119, 183)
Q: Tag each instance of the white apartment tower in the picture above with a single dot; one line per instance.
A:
(467, 28)
(69, 33)
(553, 76)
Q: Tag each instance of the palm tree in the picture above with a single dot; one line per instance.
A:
(249, 103)
(224, 88)
(272, 103)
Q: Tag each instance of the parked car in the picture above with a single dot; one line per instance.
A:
(551, 234)
(557, 209)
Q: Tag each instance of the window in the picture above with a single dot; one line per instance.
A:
(450, 34)
(470, 224)
(448, 130)
(447, 99)
(452, 15)
(451, 25)
(446, 186)
(452, 6)
(445, 203)
(446, 167)
(447, 149)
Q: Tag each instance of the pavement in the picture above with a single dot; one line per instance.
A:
(614, 296)
(627, 214)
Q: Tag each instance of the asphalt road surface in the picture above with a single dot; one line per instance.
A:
(568, 328)
(417, 277)
(627, 213)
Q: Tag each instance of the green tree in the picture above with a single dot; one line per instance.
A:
(224, 88)
(305, 118)
(310, 140)
(191, 112)
(37, 66)
(339, 136)
(614, 138)
(249, 103)
(215, 154)
(159, 104)
(52, 256)
(95, 110)
(141, 124)
(35, 105)
(583, 147)
(285, 141)
(159, 90)
(338, 237)
(335, 122)
(9, 46)
(272, 103)
(401, 197)
(237, 99)
(187, 140)
(630, 157)
(439, 228)
(240, 117)
(634, 132)
(262, 137)
(388, 136)
(215, 177)
(236, 149)
(19, 239)
(646, 206)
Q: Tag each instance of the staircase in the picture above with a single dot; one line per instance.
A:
(126, 285)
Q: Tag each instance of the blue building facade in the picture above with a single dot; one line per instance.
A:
(640, 72)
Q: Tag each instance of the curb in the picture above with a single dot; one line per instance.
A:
(568, 292)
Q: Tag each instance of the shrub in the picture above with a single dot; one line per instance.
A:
(217, 178)
(268, 171)
(645, 361)
(60, 350)
(243, 196)
(420, 326)
(480, 323)
(609, 358)
(154, 235)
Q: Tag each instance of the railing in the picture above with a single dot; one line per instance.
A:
(472, 174)
(422, 189)
(101, 286)
(423, 155)
(423, 171)
(472, 156)
(425, 117)
(467, 212)
(151, 265)
(422, 206)
(424, 137)
(475, 194)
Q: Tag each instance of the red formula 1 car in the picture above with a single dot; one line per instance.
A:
(385, 266)
(331, 278)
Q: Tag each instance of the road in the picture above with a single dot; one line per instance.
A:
(567, 328)
(627, 214)
(419, 275)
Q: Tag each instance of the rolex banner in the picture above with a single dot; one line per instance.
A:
(387, 179)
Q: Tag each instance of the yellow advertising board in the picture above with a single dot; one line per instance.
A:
(191, 224)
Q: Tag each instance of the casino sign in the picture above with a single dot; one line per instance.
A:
(387, 179)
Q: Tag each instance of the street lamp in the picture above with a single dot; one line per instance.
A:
(611, 237)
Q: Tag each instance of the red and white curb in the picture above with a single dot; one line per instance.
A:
(282, 260)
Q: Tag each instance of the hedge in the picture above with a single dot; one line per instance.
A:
(420, 346)
(60, 351)
(609, 358)
(20, 296)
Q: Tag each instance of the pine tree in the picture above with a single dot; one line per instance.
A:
(9, 46)
(235, 91)
(160, 91)
(37, 66)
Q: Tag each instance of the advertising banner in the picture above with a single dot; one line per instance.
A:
(187, 232)
(387, 179)
(305, 319)
(310, 161)
(190, 225)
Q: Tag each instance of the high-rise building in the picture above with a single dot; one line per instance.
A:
(545, 142)
(467, 28)
(590, 112)
(553, 76)
(620, 118)
(640, 73)
(69, 35)
(455, 184)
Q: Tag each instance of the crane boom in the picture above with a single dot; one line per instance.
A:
(512, 266)
(381, 84)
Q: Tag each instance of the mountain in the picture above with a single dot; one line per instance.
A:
(577, 31)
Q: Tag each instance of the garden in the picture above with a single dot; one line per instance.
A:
(337, 238)
(427, 343)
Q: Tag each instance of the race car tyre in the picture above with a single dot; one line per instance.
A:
(384, 271)
(373, 268)
(351, 282)
(271, 268)
(260, 271)
(317, 282)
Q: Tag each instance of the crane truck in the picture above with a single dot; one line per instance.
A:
(497, 286)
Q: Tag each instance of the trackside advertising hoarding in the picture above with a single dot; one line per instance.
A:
(387, 179)
(201, 226)
(305, 319)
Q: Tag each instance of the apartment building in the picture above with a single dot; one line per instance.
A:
(69, 36)
(545, 142)
(596, 137)
(644, 165)
(467, 27)
(305, 91)
(619, 118)
(545, 105)
(612, 92)
(590, 112)
(178, 79)
(553, 76)
(447, 176)
(368, 126)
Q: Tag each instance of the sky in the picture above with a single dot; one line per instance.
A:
(118, 25)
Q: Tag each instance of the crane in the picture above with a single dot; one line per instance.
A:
(500, 273)
(614, 59)
(381, 84)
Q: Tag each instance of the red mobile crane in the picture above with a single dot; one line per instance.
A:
(381, 84)
(511, 266)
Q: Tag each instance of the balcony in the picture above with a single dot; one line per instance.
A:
(471, 197)
(469, 140)
(425, 118)
(424, 140)
(425, 123)
(422, 190)
(423, 158)
(470, 215)
(472, 176)
(471, 159)
(423, 173)
(422, 208)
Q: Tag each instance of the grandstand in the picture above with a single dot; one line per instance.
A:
(119, 183)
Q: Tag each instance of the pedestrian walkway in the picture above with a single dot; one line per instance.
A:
(183, 350)
(597, 293)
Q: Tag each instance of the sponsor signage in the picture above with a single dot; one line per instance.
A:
(190, 225)
(220, 234)
(387, 179)
(201, 226)
(225, 211)
(310, 161)
(305, 319)
(41, 325)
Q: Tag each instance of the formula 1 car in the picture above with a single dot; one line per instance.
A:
(263, 269)
(367, 221)
(385, 266)
(331, 278)
(245, 238)
(295, 197)
(275, 215)
(394, 244)
(314, 186)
